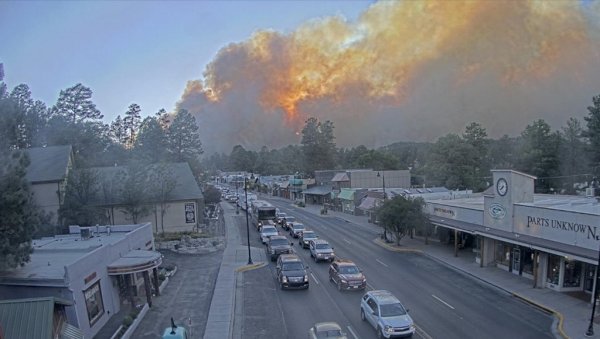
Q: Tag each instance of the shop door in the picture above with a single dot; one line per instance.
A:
(516, 260)
(588, 280)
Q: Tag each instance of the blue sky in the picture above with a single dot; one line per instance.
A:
(142, 52)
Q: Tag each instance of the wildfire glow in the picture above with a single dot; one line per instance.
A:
(387, 52)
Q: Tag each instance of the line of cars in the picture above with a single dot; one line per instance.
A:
(380, 308)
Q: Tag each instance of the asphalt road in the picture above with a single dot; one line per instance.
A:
(444, 303)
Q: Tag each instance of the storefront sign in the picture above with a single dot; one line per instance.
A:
(190, 213)
(497, 211)
(444, 212)
(590, 231)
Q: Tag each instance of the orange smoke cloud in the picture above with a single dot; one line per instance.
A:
(395, 55)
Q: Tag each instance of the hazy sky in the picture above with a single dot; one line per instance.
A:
(139, 51)
(251, 72)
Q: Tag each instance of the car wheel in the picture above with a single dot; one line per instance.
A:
(379, 333)
(339, 286)
(362, 315)
(314, 257)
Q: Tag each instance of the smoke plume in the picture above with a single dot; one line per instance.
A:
(405, 70)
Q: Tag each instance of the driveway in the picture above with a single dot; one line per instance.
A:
(186, 298)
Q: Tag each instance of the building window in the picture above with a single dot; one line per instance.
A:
(93, 302)
(528, 256)
(553, 269)
(573, 271)
(503, 253)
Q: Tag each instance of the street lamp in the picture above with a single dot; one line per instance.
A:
(590, 330)
(247, 223)
(382, 175)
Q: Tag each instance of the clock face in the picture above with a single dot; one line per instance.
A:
(501, 186)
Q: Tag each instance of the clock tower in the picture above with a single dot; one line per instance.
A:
(509, 187)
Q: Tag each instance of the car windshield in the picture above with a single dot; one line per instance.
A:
(293, 266)
(269, 229)
(349, 270)
(329, 334)
(323, 246)
(279, 242)
(310, 235)
(392, 310)
(298, 227)
(289, 219)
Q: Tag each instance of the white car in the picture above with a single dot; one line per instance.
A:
(386, 314)
(266, 232)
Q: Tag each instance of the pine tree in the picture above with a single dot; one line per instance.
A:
(184, 140)
(75, 103)
(131, 123)
(19, 216)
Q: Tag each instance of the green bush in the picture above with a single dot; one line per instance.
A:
(161, 276)
(127, 321)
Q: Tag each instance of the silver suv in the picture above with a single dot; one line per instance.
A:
(386, 314)
(321, 250)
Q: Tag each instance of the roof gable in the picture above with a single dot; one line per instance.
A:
(48, 164)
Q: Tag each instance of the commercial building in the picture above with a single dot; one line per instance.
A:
(95, 270)
(551, 239)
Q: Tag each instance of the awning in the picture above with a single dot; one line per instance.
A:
(135, 261)
(368, 203)
(549, 246)
(346, 194)
(318, 190)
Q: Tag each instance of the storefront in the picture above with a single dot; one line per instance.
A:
(552, 240)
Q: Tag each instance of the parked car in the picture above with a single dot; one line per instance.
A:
(291, 272)
(266, 232)
(277, 245)
(296, 228)
(346, 275)
(287, 221)
(326, 330)
(321, 250)
(386, 314)
(305, 237)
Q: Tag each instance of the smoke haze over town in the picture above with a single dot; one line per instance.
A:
(404, 70)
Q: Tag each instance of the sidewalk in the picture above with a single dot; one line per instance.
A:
(572, 315)
(235, 258)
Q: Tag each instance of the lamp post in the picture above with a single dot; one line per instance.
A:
(247, 223)
(382, 175)
(590, 330)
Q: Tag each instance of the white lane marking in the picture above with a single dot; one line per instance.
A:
(370, 287)
(352, 332)
(443, 302)
(379, 261)
(422, 332)
(347, 241)
(315, 278)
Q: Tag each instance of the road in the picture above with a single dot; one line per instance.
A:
(444, 303)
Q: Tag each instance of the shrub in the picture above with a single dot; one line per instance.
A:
(127, 321)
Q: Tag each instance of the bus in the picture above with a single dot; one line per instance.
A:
(261, 211)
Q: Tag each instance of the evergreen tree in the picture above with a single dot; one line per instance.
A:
(131, 123)
(318, 146)
(19, 216)
(539, 154)
(184, 140)
(572, 153)
(163, 118)
(151, 143)
(117, 131)
(593, 134)
(81, 198)
(75, 104)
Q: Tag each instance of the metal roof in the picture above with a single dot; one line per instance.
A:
(29, 318)
(341, 177)
(346, 194)
(318, 190)
(48, 164)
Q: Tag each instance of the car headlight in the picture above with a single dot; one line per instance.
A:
(344, 281)
(284, 278)
(412, 326)
(306, 277)
(388, 328)
(272, 251)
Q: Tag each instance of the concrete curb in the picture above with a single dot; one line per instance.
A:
(396, 249)
(547, 309)
(250, 267)
(558, 315)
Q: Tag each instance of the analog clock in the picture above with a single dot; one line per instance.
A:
(501, 186)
